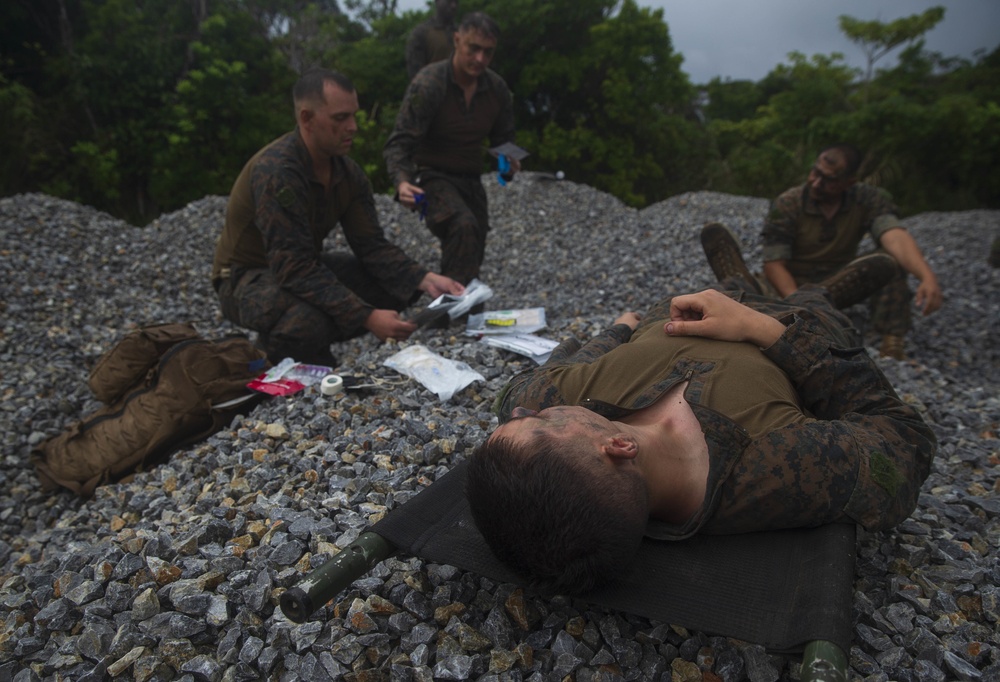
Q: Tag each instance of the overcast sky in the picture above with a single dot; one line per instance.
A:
(745, 39)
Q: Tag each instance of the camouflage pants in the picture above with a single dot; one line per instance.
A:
(457, 214)
(289, 326)
(890, 311)
(809, 303)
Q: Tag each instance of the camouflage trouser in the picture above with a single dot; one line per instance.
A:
(809, 303)
(890, 306)
(289, 326)
(457, 214)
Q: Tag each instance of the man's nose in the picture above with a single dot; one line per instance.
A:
(523, 412)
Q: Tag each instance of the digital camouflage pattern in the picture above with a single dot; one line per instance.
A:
(437, 144)
(429, 42)
(269, 263)
(863, 458)
(458, 215)
(436, 129)
(814, 248)
(290, 327)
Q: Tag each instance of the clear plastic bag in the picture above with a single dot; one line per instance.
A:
(440, 375)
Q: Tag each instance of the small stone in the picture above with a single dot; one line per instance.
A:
(502, 660)
(471, 639)
(497, 629)
(960, 668)
(445, 613)
(251, 650)
(187, 596)
(173, 625)
(203, 668)
(86, 592)
(453, 668)
(685, 671)
(163, 572)
(60, 614)
(122, 664)
(146, 605)
(759, 666)
(276, 431)
(184, 559)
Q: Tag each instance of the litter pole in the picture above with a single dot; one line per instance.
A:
(323, 584)
(823, 661)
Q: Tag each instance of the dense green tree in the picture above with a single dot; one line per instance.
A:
(116, 69)
(20, 124)
(981, 79)
(732, 100)
(147, 104)
(542, 52)
(877, 38)
(223, 108)
(598, 92)
(764, 154)
(376, 63)
(928, 126)
(931, 142)
(139, 106)
(371, 11)
(600, 95)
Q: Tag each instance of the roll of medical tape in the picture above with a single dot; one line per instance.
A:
(331, 385)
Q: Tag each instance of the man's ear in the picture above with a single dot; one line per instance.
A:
(305, 115)
(621, 446)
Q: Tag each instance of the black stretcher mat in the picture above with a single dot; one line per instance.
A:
(781, 589)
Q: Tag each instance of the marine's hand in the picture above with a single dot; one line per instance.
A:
(408, 194)
(929, 296)
(435, 285)
(387, 324)
(713, 315)
(629, 318)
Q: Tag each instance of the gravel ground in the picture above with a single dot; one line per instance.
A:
(176, 573)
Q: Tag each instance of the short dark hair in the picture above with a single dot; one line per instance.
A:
(850, 154)
(480, 21)
(310, 85)
(550, 521)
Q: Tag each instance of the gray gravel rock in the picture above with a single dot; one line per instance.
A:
(176, 573)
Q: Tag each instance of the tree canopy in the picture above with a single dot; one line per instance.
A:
(140, 106)
(877, 39)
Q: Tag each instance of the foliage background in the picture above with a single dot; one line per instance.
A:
(140, 106)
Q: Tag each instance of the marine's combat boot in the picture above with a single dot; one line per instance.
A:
(722, 250)
(892, 347)
(860, 278)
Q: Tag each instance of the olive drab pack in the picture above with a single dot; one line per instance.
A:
(164, 387)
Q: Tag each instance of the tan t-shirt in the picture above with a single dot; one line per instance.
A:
(623, 374)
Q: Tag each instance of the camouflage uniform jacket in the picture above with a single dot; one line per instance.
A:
(429, 42)
(862, 459)
(435, 129)
(797, 232)
(279, 214)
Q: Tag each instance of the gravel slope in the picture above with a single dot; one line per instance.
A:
(175, 574)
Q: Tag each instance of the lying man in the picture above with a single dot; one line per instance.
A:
(719, 412)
